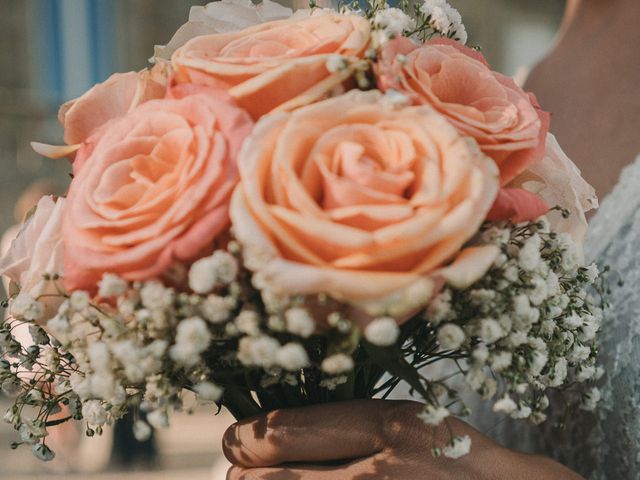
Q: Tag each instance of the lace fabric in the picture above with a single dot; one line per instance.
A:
(601, 445)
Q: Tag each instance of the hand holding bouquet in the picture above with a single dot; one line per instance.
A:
(306, 210)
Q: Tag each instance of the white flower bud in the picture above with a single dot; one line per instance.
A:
(450, 336)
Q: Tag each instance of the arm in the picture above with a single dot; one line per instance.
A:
(367, 440)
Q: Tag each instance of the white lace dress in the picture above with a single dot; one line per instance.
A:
(604, 445)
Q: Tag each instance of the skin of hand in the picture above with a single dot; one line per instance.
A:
(367, 440)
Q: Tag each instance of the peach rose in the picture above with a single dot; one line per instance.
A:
(37, 251)
(368, 206)
(507, 122)
(275, 65)
(154, 188)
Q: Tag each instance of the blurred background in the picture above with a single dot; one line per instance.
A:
(54, 50)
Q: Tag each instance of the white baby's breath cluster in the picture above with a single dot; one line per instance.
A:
(531, 322)
(420, 21)
(438, 18)
(389, 23)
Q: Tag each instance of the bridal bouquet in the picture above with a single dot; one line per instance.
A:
(289, 209)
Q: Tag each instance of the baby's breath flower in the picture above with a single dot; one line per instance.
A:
(585, 372)
(154, 295)
(475, 378)
(382, 332)
(459, 447)
(490, 330)
(94, 412)
(158, 419)
(299, 322)
(11, 386)
(505, 405)
(433, 415)
(450, 336)
(208, 391)
(501, 361)
(216, 309)
(141, 430)
(337, 364)
(192, 338)
(529, 256)
(79, 300)
(393, 21)
(333, 382)
(42, 452)
(111, 285)
(572, 321)
(258, 351)
(480, 354)
(590, 399)
(24, 306)
(248, 322)
(523, 411)
(336, 63)
(292, 357)
(439, 309)
(99, 356)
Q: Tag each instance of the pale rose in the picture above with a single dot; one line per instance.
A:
(367, 205)
(558, 181)
(113, 98)
(154, 188)
(38, 251)
(507, 122)
(222, 17)
(277, 65)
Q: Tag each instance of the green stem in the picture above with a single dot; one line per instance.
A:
(240, 403)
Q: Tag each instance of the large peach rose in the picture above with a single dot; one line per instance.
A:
(154, 188)
(368, 206)
(275, 65)
(507, 122)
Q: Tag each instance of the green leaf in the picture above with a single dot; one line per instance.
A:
(393, 361)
